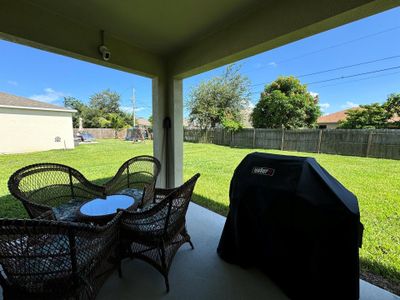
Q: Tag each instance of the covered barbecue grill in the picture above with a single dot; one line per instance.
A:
(291, 218)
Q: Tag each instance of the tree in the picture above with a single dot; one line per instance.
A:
(151, 119)
(219, 101)
(117, 122)
(79, 106)
(392, 104)
(106, 102)
(372, 116)
(286, 103)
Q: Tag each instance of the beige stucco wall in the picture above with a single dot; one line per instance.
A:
(25, 130)
(330, 125)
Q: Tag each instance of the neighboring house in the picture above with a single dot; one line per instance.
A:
(143, 123)
(331, 121)
(246, 117)
(27, 125)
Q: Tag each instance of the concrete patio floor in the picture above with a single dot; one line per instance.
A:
(201, 274)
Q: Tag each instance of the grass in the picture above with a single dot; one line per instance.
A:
(376, 183)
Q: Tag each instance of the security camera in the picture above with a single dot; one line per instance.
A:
(105, 52)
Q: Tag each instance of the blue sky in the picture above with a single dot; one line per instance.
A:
(48, 77)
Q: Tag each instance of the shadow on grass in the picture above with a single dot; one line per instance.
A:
(380, 275)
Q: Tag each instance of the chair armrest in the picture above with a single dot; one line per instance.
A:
(47, 215)
(133, 217)
(36, 210)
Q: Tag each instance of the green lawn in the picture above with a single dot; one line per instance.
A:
(376, 183)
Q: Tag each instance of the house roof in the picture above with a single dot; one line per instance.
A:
(143, 122)
(341, 115)
(334, 117)
(393, 119)
(13, 101)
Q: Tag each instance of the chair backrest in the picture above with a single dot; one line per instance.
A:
(49, 257)
(139, 173)
(177, 205)
(49, 185)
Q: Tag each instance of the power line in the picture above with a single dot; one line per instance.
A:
(340, 68)
(349, 66)
(350, 81)
(354, 75)
(340, 44)
(355, 80)
(331, 47)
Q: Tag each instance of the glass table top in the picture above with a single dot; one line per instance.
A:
(102, 207)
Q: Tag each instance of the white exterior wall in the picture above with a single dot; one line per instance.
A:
(26, 130)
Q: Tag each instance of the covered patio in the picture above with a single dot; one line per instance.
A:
(201, 274)
(169, 41)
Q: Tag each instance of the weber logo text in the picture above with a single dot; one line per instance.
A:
(263, 171)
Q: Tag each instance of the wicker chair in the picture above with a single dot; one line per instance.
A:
(136, 177)
(156, 233)
(43, 259)
(49, 186)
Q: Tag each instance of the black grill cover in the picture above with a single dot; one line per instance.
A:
(291, 218)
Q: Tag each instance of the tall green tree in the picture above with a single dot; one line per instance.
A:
(392, 104)
(286, 103)
(372, 116)
(102, 111)
(117, 122)
(106, 102)
(79, 106)
(220, 100)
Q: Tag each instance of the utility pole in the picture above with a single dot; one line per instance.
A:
(133, 107)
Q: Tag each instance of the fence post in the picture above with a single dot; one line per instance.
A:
(369, 144)
(283, 139)
(319, 141)
(254, 137)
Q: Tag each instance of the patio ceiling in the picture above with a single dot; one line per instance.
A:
(188, 36)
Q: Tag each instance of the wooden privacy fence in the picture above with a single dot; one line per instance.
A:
(104, 133)
(381, 143)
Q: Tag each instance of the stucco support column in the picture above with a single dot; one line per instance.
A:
(168, 142)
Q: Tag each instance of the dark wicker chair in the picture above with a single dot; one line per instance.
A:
(136, 177)
(43, 259)
(52, 187)
(156, 233)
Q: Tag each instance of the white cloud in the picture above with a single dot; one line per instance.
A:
(129, 109)
(273, 64)
(349, 104)
(12, 82)
(49, 95)
(324, 107)
(314, 94)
